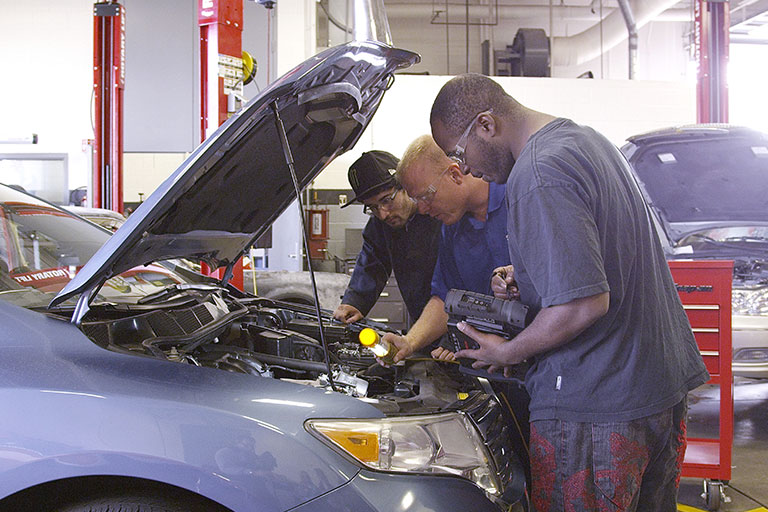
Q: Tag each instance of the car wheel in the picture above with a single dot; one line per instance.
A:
(137, 503)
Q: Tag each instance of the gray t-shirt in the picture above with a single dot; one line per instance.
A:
(578, 226)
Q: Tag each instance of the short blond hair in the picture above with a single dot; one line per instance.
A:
(422, 149)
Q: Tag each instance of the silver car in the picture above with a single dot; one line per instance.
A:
(131, 383)
(707, 188)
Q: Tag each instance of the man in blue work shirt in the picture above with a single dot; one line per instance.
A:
(472, 246)
(473, 240)
(396, 237)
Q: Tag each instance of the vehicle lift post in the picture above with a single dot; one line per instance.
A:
(711, 32)
(221, 71)
(108, 86)
(705, 458)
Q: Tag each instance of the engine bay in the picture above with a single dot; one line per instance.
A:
(750, 272)
(223, 329)
(268, 338)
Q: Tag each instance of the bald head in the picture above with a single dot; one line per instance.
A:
(422, 154)
(437, 185)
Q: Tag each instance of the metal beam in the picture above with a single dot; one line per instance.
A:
(108, 85)
(221, 78)
(712, 38)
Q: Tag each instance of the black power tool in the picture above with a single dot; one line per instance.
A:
(505, 318)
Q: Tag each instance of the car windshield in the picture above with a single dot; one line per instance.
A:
(706, 179)
(42, 247)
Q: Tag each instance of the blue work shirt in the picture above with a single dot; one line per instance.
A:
(470, 249)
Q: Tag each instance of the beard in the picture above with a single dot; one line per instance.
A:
(396, 222)
(497, 161)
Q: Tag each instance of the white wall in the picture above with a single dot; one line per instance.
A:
(144, 172)
(162, 88)
(296, 29)
(46, 78)
(617, 108)
(662, 55)
(162, 99)
(746, 82)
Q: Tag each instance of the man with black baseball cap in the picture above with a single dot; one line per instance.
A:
(396, 238)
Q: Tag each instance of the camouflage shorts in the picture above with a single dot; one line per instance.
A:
(623, 466)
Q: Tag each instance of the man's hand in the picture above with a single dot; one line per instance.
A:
(347, 314)
(442, 354)
(401, 343)
(491, 354)
(503, 283)
(553, 327)
(430, 326)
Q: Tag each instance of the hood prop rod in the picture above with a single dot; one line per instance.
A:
(84, 304)
(291, 167)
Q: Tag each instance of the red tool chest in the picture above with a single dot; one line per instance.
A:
(705, 290)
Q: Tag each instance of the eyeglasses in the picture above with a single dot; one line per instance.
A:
(385, 204)
(429, 194)
(458, 154)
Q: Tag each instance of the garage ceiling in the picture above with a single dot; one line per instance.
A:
(749, 18)
(749, 21)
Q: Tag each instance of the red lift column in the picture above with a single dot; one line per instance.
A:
(711, 30)
(221, 67)
(108, 85)
(221, 62)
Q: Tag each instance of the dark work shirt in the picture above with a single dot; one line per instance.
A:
(578, 227)
(470, 249)
(410, 252)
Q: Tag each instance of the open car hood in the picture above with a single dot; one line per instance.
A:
(702, 176)
(237, 182)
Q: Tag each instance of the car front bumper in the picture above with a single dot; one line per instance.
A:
(371, 491)
(750, 346)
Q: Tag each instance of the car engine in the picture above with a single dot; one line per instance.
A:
(274, 339)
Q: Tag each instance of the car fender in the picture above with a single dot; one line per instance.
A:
(62, 398)
(131, 466)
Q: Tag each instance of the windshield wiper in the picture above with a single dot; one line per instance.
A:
(699, 236)
(26, 297)
(173, 290)
(726, 243)
(746, 239)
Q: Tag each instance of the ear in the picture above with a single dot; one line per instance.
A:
(455, 174)
(488, 125)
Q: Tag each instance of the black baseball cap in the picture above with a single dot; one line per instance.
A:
(373, 172)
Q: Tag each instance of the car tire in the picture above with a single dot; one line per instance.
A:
(137, 503)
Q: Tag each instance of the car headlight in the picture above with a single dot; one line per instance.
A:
(750, 301)
(437, 444)
(751, 355)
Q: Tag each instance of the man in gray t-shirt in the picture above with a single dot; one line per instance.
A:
(612, 353)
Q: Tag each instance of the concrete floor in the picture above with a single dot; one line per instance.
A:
(748, 487)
